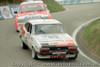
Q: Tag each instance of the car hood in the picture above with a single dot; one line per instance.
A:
(29, 16)
(33, 13)
(55, 39)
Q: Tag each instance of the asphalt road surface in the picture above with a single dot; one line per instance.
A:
(12, 55)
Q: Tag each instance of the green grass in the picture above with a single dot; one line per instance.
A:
(91, 36)
(3, 4)
(10, 2)
(53, 6)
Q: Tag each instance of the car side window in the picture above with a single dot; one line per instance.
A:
(30, 28)
(26, 26)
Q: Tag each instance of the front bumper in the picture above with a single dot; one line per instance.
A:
(56, 56)
(58, 52)
(66, 55)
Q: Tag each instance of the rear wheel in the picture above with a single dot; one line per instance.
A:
(34, 54)
(24, 46)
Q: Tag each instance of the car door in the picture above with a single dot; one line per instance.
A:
(30, 36)
(27, 25)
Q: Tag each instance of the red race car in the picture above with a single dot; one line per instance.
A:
(31, 10)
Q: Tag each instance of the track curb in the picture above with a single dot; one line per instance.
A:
(74, 35)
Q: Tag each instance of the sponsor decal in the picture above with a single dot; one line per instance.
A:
(29, 17)
(1, 17)
(62, 43)
(14, 9)
(6, 12)
(22, 31)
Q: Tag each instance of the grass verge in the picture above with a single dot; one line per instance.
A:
(91, 36)
(10, 2)
(53, 6)
(3, 4)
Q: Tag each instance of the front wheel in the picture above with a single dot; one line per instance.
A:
(17, 30)
(34, 54)
(24, 46)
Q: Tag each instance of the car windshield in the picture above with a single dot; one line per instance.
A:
(32, 7)
(48, 29)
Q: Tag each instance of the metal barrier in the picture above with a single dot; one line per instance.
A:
(63, 2)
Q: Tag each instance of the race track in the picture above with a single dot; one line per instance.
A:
(11, 51)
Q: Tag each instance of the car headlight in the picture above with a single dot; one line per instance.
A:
(44, 49)
(45, 44)
(72, 47)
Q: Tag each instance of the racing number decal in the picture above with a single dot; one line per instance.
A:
(23, 31)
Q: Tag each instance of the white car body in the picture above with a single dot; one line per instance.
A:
(52, 45)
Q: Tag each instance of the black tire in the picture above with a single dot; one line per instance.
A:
(35, 54)
(20, 36)
(17, 31)
(24, 46)
(73, 58)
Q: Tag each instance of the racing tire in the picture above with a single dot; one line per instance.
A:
(73, 58)
(34, 54)
(24, 46)
(17, 31)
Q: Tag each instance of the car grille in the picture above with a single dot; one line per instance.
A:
(58, 48)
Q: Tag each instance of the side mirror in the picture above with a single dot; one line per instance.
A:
(15, 12)
(45, 5)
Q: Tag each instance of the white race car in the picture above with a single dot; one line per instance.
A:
(47, 39)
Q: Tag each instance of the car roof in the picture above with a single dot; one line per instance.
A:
(28, 2)
(44, 21)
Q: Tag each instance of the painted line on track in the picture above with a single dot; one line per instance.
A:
(75, 34)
